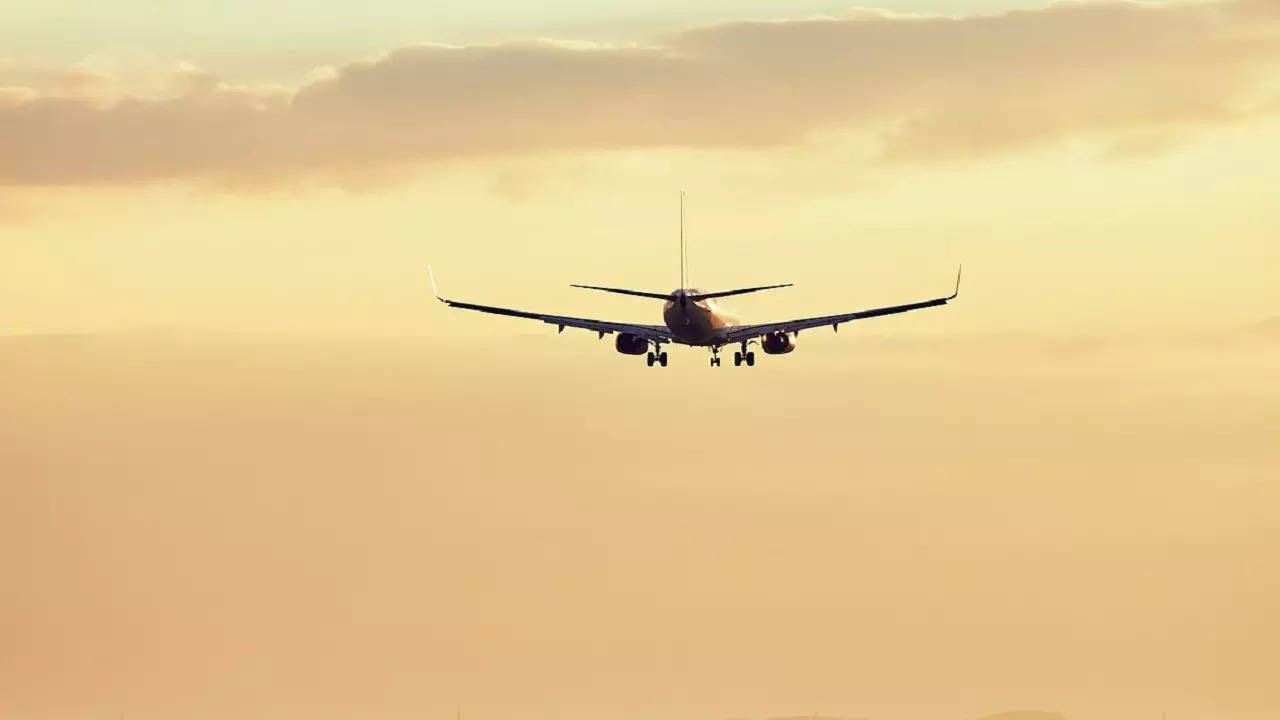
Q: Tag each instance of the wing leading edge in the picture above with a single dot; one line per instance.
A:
(744, 332)
(652, 333)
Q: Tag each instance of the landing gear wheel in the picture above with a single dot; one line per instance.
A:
(715, 362)
(737, 358)
(649, 360)
(751, 359)
(662, 359)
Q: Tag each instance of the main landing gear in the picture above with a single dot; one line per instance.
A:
(739, 356)
(657, 356)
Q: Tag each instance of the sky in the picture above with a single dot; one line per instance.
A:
(250, 468)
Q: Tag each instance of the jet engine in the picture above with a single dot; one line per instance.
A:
(777, 343)
(629, 344)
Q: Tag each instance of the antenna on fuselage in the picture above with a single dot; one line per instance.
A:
(684, 258)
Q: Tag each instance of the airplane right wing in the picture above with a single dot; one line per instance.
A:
(744, 332)
(652, 333)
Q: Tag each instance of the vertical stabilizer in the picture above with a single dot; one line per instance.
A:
(684, 257)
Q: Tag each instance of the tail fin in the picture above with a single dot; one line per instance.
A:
(684, 278)
(684, 271)
(684, 256)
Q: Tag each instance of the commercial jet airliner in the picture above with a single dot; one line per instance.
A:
(691, 317)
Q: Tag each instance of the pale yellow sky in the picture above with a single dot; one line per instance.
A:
(870, 527)
(1099, 166)
(249, 468)
(1053, 239)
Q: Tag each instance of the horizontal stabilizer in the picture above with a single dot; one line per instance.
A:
(739, 291)
(624, 291)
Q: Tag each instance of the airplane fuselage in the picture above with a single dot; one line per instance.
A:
(696, 322)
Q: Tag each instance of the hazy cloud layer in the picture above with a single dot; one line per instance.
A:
(920, 89)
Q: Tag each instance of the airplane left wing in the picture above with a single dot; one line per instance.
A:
(652, 333)
(745, 332)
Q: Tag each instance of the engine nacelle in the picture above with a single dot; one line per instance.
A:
(777, 343)
(629, 344)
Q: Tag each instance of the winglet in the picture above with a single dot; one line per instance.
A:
(432, 275)
(957, 291)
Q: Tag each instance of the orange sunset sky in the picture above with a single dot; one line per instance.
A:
(249, 468)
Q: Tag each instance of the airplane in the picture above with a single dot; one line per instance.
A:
(691, 317)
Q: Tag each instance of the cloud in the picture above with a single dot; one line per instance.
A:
(920, 89)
